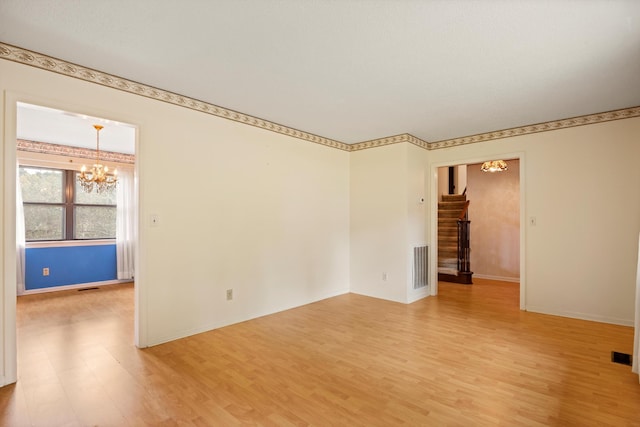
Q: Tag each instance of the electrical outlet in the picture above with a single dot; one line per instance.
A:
(229, 294)
(45, 271)
(384, 277)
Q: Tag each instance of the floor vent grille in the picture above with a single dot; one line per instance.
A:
(622, 358)
(420, 267)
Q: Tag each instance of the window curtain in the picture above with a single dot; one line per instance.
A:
(20, 237)
(636, 339)
(125, 225)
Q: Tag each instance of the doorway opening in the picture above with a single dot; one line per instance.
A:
(495, 221)
(74, 239)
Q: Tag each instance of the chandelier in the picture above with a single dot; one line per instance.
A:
(98, 176)
(494, 166)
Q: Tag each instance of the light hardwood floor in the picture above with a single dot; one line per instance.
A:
(468, 357)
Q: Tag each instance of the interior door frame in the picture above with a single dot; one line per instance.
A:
(433, 226)
(8, 168)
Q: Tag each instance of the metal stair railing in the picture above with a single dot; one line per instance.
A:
(464, 240)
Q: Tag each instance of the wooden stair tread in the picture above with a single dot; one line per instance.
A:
(449, 210)
(453, 197)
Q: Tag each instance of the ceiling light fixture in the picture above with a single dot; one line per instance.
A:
(494, 166)
(98, 176)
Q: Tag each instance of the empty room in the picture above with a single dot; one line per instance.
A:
(293, 258)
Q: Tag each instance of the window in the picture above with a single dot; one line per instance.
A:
(56, 208)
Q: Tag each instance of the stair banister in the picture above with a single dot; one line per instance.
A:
(464, 239)
(454, 212)
(463, 214)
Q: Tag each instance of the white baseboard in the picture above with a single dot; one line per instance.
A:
(500, 278)
(72, 287)
(175, 335)
(415, 295)
(581, 316)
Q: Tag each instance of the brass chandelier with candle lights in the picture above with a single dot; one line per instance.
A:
(494, 166)
(98, 176)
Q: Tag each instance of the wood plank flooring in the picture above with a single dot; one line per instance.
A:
(468, 357)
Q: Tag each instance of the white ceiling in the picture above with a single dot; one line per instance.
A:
(355, 70)
(36, 123)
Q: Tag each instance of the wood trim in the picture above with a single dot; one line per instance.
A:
(464, 210)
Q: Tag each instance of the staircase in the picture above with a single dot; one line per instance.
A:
(451, 268)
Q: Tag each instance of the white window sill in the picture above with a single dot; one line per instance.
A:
(70, 243)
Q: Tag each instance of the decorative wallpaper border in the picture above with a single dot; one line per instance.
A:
(67, 151)
(27, 57)
(380, 142)
(625, 113)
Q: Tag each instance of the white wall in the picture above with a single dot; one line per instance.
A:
(387, 219)
(240, 208)
(581, 184)
(379, 222)
(417, 209)
(443, 182)
(267, 218)
(461, 178)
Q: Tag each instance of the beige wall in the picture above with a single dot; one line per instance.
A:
(494, 212)
(443, 182)
(240, 208)
(581, 184)
(388, 219)
(461, 178)
(378, 222)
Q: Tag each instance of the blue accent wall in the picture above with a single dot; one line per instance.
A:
(69, 265)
